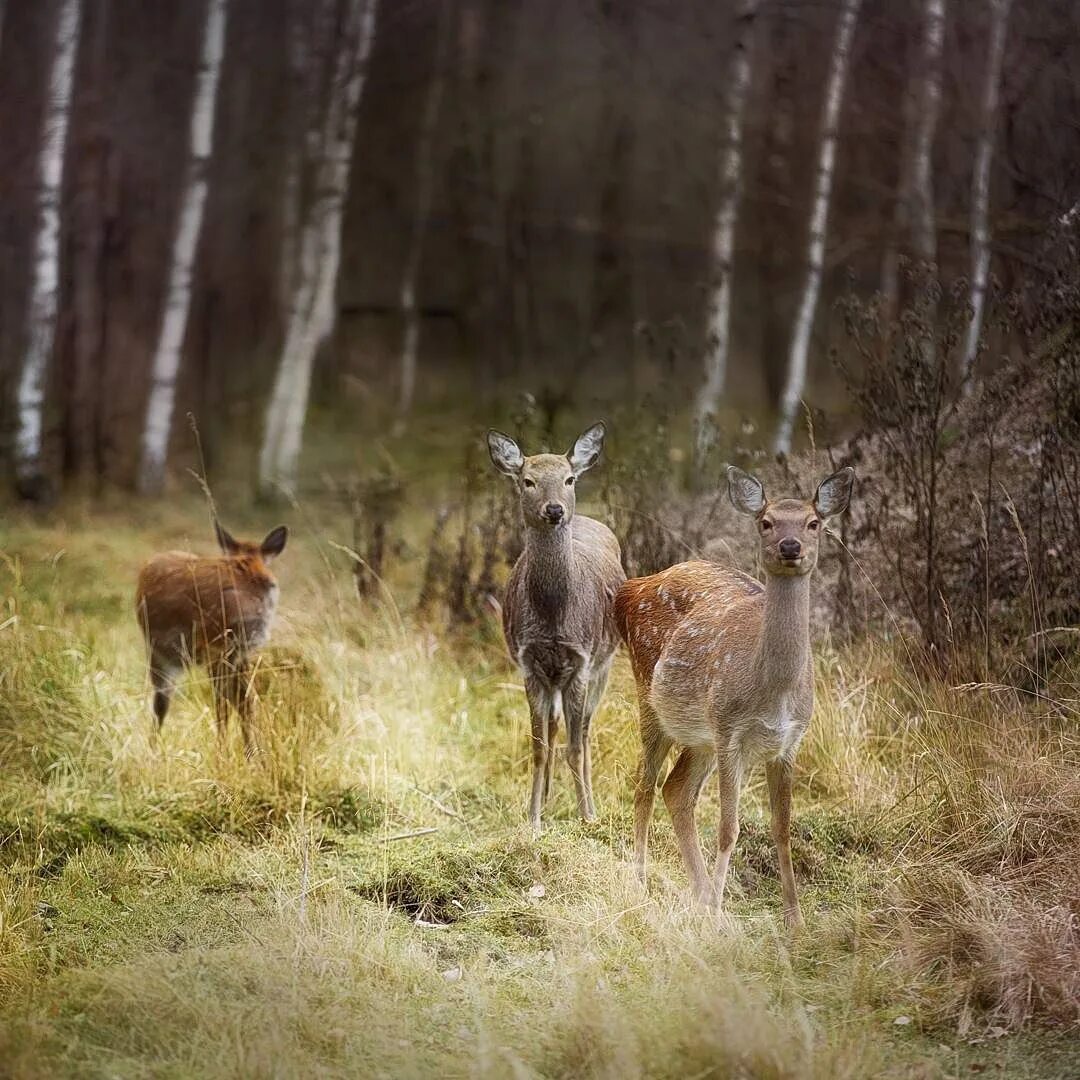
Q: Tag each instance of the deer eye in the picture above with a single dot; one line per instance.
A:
(529, 483)
(766, 525)
(570, 481)
(814, 525)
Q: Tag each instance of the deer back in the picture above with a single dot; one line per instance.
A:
(198, 608)
(696, 605)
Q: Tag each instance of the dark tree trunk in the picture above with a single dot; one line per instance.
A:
(611, 335)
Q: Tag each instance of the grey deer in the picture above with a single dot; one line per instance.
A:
(724, 671)
(557, 614)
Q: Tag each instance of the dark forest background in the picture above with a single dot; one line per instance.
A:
(574, 185)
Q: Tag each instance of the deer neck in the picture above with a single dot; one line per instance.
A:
(784, 645)
(549, 570)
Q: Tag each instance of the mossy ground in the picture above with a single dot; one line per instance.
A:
(365, 898)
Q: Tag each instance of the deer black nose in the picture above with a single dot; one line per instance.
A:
(554, 512)
(790, 548)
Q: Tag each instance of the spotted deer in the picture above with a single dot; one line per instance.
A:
(212, 612)
(724, 672)
(557, 613)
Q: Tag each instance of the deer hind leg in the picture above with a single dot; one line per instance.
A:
(778, 774)
(575, 698)
(654, 751)
(541, 715)
(681, 790)
(730, 788)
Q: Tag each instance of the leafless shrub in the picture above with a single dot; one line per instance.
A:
(376, 504)
(436, 566)
(964, 497)
(472, 544)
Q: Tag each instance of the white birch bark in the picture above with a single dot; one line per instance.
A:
(45, 283)
(819, 221)
(924, 222)
(170, 344)
(980, 186)
(718, 341)
(310, 32)
(312, 308)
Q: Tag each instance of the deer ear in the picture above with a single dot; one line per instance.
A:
(746, 492)
(227, 544)
(274, 543)
(834, 493)
(505, 453)
(585, 452)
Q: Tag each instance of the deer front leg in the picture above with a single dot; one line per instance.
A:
(575, 698)
(730, 788)
(681, 792)
(541, 713)
(163, 681)
(552, 739)
(241, 701)
(220, 675)
(779, 775)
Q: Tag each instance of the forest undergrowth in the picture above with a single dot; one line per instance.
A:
(365, 897)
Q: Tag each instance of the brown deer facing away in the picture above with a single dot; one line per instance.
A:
(209, 611)
(557, 614)
(724, 671)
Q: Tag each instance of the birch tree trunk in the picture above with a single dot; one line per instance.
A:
(980, 187)
(311, 314)
(718, 342)
(45, 282)
(915, 202)
(924, 223)
(819, 221)
(310, 33)
(425, 184)
(170, 344)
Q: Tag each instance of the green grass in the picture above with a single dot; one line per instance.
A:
(366, 899)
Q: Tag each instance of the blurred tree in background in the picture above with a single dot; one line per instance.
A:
(485, 196)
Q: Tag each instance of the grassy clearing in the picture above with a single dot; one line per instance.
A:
(365, 898)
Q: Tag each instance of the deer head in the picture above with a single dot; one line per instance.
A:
(248, 562)
(790, 529)
(547, 483)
